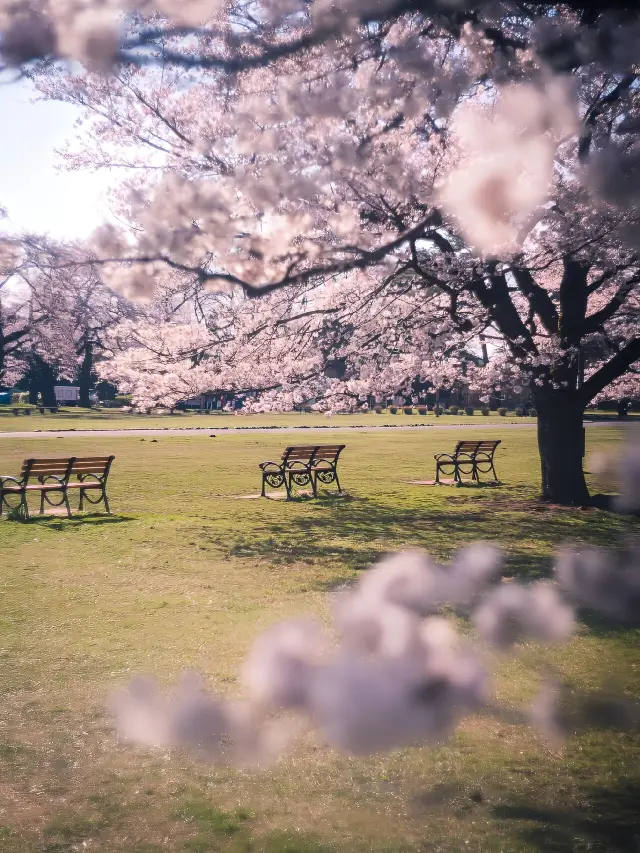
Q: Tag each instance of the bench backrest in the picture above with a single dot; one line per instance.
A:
(303, 453)
(329, 453)
(98, 465)
(65, 467)
(473, 447)
(310, 453)
(40, 469)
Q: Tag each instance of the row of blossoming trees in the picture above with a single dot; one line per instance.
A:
(394, 183)
(55, 324)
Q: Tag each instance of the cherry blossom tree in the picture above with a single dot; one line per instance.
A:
(14, 329)
(235, 36)
(64, 318)
(385, 223)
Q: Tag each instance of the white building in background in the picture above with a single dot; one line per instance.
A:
(67, 393)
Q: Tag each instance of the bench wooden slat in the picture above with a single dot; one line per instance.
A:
(83, 463)
(90, 484)
(65, 459)
(39, 487)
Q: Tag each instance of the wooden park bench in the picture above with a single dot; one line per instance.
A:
(469, 457)
(53, 479)
(21, 410)
(303, 466)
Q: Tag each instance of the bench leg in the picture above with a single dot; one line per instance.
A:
(338, 482)
(287, 484)
(66, 502)
(23, 506)
(106, 501)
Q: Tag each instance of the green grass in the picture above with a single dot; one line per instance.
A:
(76, 418)
(184, 576)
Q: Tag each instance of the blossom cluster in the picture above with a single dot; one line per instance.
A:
(393, 671)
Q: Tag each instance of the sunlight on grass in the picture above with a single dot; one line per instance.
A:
(183, 575)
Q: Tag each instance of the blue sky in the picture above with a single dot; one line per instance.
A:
(38, 196)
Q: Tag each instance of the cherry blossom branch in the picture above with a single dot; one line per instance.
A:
(611, 371)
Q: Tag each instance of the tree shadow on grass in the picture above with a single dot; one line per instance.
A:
(607, 821)
(358, 531)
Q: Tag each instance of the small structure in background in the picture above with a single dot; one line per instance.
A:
(67, 394)
(213, 401)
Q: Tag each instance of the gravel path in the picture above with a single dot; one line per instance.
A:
(186, 431)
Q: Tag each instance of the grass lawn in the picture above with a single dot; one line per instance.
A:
(76, 418)
(184, 576)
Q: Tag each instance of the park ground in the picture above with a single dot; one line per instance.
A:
(73, 419)
(184, 575)
(89, 419)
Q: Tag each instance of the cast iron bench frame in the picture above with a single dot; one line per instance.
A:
(303, 465)
(469, 457)
(53, 480)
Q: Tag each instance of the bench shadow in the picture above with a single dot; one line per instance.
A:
(57, 522)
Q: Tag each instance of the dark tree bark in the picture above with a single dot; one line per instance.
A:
(561, 445)
(48, 378)
(42, 379)
(85, 375)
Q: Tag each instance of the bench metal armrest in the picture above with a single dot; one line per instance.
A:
(61, 481)
(7, 478)
(297, 465)
(331, 463)
(97, 477)
(276, 466)
(448, 456)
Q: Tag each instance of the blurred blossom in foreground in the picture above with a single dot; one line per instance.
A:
(602, 580)
(393, 672)
(623, 469)
(560, 711)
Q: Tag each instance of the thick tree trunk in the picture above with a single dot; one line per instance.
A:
(561, 446)
(42, 379)
(47, 385)
(85, 375)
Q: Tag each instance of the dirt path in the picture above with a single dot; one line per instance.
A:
(186, 431)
